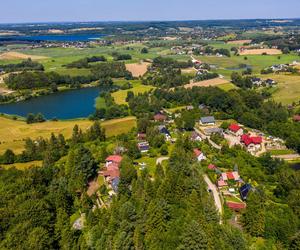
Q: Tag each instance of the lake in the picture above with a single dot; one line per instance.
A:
(58, 38)
(77, 103)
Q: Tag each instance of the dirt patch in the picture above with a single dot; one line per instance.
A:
(17, 56)
(206, 83)
(261, 51)
(189, 70)
(137, 69)
(239, 41)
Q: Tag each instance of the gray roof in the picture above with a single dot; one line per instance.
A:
(207, 119)
(213, 131)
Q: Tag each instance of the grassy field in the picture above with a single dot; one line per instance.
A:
(288, 88)
(257, 62)
(138, 87)
(282, 152)
(23, 166)
(13, 133)
(227, 86)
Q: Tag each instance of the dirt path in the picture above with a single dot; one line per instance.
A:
(203, 136)
(161, 159)
(215, 193)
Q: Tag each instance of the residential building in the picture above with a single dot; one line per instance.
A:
(235, 129)
(195, 136)
(210, 131)
(199, 155)
(143, 147)
(159, 117)
(207, 120)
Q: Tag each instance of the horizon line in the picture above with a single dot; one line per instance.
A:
(149, 21)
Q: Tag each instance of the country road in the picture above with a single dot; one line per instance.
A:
(215, 193)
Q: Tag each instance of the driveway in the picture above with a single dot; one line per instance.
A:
(161, 159)
(215, 193)
(203, 136)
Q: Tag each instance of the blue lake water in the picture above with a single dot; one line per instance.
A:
(59, 38)
(69, 104)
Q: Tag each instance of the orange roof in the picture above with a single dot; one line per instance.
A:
(230, 176)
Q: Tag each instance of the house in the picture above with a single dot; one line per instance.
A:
(159, 117)
(296, 118)
(236, 206)
(143, 147)
(233, 176)
(210, 131)
(141, 136)
(195, 136)
(256, 81)
(199, 155)
(222, 183)
(113, 159)
(163, 130)
(244, 191)
(190, 107)
(212, 167)
(252, 143)
(207, 120)
(235, 129)
(270, 82)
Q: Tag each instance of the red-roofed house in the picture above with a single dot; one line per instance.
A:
(212, 167)
(222, 183)
(252, 143)
(233, 176)
(230, 176)
(160, 117)
(296, 118)
(235, 205)
(113, 159)
(235, 129)
(199, 155)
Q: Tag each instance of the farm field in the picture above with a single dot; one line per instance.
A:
(225, 65)
(260, 51)
(23, 166)
(19, 56)
(13, 133)
(288, 88)
(207, 83)
(137, 69)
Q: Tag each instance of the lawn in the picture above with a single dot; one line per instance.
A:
(13, 133)
(227, 86)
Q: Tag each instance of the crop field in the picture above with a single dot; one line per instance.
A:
(19, 56)
(137, 69)
(207, 83)
(260, 51)
(13, 133)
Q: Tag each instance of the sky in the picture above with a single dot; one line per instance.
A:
(19, 11)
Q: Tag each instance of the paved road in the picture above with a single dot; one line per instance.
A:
(161, 159)
(215, 193)
(203, 136)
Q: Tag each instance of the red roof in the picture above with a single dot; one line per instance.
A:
(296, 118)
(111, 173)
(160, 117)
(212, 167)
(197, 152)
(114, 158)
(234, 128)
(256, 140)
(248, 140)
(230, 176)
(113, 166)
(222, 183)
(235, 205)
